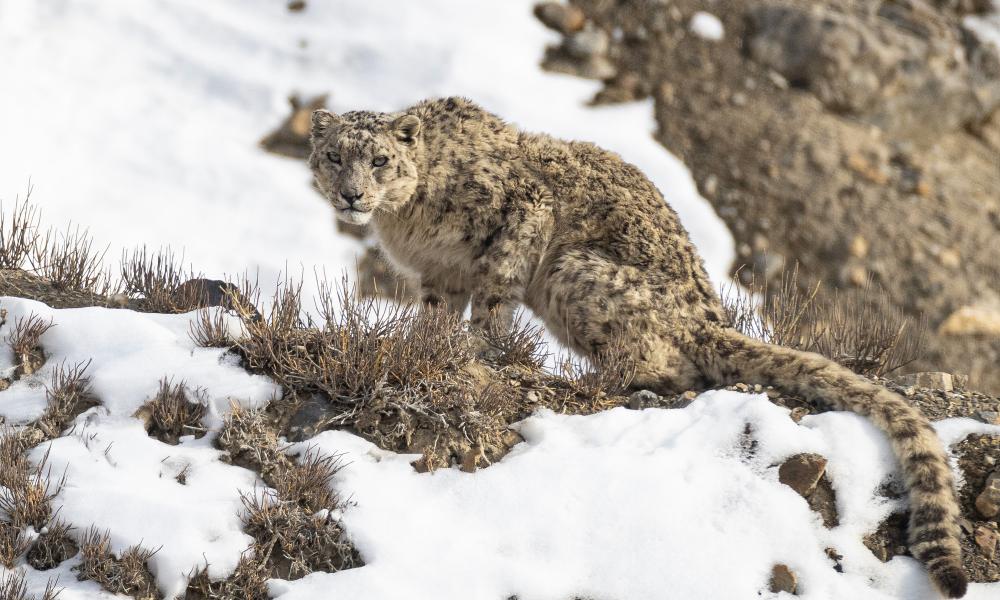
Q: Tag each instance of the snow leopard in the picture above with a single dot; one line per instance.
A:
(478, 211)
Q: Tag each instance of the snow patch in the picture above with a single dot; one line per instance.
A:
(707, 26)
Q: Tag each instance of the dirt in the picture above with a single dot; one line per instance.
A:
(855, 138)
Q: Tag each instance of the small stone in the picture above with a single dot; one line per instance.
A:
(587, 43)
(986, 539)
(118, 300)
(642, 399)
(982, 318)
(950, 257)
(857, 275)
(859, 247)
(741, 387)
(798, 412)
(738, 99)
(778, 80)
(928, 379)
(4, 384)
(988, 501)
(689, 395)
(296, 5)
(783, 580)
(991, 417)
(802, 473)
(563, 18)
(532, 397)
(758, 388)
(710, 186)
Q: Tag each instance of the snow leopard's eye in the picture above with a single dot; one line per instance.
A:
(334, 157)
(380, 161)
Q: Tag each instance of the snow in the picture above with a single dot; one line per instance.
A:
(707, 26)
(647, 504)
(140, 121)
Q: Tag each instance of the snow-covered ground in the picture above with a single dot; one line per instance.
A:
(628, 505)
(140, 120)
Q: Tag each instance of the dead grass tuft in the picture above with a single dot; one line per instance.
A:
(307, 481)
(13, 587)
(13, 543)
(172, 413)
(69, 261)
(209, 329)
(292, 540)
(25, 342)
(124, 574)
(53, 546)
(251, 441)
(248, 582)
(608, 375)
(27, 500)
(521, 345)
(158, 278)
(67, 396)
(18, 233)
(859, 328)
(14, 466)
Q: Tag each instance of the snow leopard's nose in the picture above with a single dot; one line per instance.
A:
(351, 197)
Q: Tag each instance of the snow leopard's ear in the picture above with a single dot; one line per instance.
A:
(406, 128)
(322, 122)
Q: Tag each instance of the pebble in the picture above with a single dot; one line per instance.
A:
(988, 501)
(783, 579)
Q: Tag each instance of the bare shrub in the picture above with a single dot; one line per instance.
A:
(14, 467)
(69, 260)
(125, 574)
(27, 500)
(172, 413)
(25, 342)
(519, 345)
(67, 395)
(13, 587)
(53, 546)
(608, 374)
(307, 481)
(18, 233)
(209, 329)
(158, 278)
(859, 328)
(13, 543)
(292, 541)
(251, 441)
(248, 582)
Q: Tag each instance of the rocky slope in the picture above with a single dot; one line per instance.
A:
(858, 139)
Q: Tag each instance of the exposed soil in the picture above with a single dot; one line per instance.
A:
(855, 138)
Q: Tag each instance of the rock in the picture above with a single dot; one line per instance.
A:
(927, 379)
(4, 384)
(982, 318)
(986, 539)
(802, 473)
(311, 417)
(988, 501)
(991, 417)
(564, 18)
(859, 247)
(200, 292)
(587, 43)
(291, 137)
(642, 399)
(783, 580)
(118, 300)
(860, 65)
(296, 5)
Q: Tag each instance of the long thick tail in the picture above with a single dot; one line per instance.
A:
(934, 509)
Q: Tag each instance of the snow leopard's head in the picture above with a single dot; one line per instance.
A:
(364, 162)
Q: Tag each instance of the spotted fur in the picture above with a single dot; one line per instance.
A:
(477, 210)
